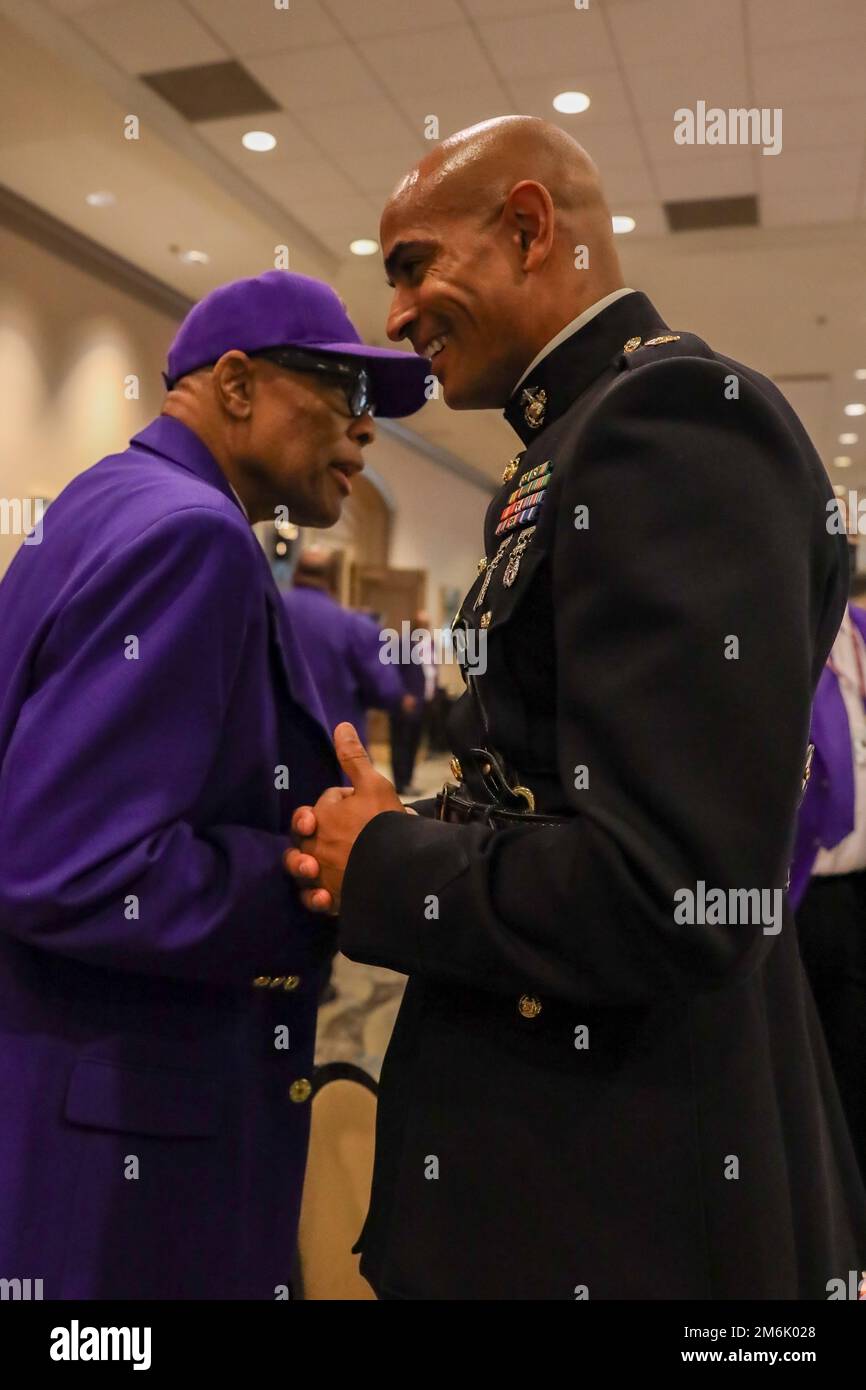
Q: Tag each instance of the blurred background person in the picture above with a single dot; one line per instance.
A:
(407, 720)
(342, 648)
(828, 873)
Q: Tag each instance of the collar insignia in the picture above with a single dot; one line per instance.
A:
(535, 404)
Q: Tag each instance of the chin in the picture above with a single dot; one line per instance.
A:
(471, 396)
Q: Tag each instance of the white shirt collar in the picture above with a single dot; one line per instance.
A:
(573, 327)
(240, 503)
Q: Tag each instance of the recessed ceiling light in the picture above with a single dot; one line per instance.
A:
(842, 461)
(848, 438)
(102, 199)
(856, 408)
(623, 224)
(193, 257)
(258, 140)
(364, 246)
(860, 374)
(571, 103)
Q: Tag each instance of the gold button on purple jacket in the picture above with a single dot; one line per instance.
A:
(157, 728)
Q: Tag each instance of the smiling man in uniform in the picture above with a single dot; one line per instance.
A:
(620, 1103)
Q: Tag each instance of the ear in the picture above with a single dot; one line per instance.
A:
(232, 378)
(529, 216)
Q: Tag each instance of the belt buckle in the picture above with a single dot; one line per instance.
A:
(528, 796)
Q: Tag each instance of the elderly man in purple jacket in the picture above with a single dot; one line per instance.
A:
(158, 973)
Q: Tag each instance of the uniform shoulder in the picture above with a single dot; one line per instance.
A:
(668, 346)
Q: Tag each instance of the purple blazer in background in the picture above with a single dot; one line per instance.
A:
(826, 814)
(152, 1142)
(342, 651)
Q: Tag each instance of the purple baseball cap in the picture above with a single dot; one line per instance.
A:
(282, 309)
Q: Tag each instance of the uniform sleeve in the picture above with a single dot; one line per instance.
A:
(380, 685)
(115, 743)
(686, 613)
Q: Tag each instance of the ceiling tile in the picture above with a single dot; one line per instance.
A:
(536, 45)
(339, 132)
(373, 18)
(796, 171)
(308, 183)
(69, 7)
(651, 31)
(608, 96)
(616, 146)
(775, 22)
(377, 171)
(622, 186)
(718, 175)
(817, 125)
(660, 89)
(797, 72)
(455, 108)
(328, 76)
(256, 27)
(502, 9)
(410, 64)
(799, 208)
(326, 214)
(292, 144)
(148, 38)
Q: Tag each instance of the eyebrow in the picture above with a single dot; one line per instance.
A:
(402, 248)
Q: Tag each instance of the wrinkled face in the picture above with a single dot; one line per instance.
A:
(457, 298)
(301, 446)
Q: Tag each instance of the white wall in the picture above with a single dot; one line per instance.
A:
(67, 342)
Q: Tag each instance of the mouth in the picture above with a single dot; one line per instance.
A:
(435, 347)
(343, 473)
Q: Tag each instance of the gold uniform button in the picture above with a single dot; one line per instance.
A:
(486, 619)
(291, 982)
(300, 1090)
(261, 981)
(528, 1006)
(456, 770)
(631, 345)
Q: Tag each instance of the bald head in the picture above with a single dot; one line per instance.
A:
(494, 241)
(477, 168)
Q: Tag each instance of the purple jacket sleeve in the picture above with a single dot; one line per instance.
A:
(112, 760)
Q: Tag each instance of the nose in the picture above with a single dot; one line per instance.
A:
(401, 315)
(362, 432)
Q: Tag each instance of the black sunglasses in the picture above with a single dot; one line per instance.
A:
(353, 381)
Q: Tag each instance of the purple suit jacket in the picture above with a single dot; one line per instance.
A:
(342, 651)
(152, 1136)
(826, 815)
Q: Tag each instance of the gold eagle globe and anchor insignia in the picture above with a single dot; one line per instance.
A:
(511, 468)
(534, 407)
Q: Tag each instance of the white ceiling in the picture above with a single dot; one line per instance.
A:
(356, 79)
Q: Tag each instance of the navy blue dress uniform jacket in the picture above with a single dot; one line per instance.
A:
(621, 1104)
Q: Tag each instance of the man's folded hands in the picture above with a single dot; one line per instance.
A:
(326, 832)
